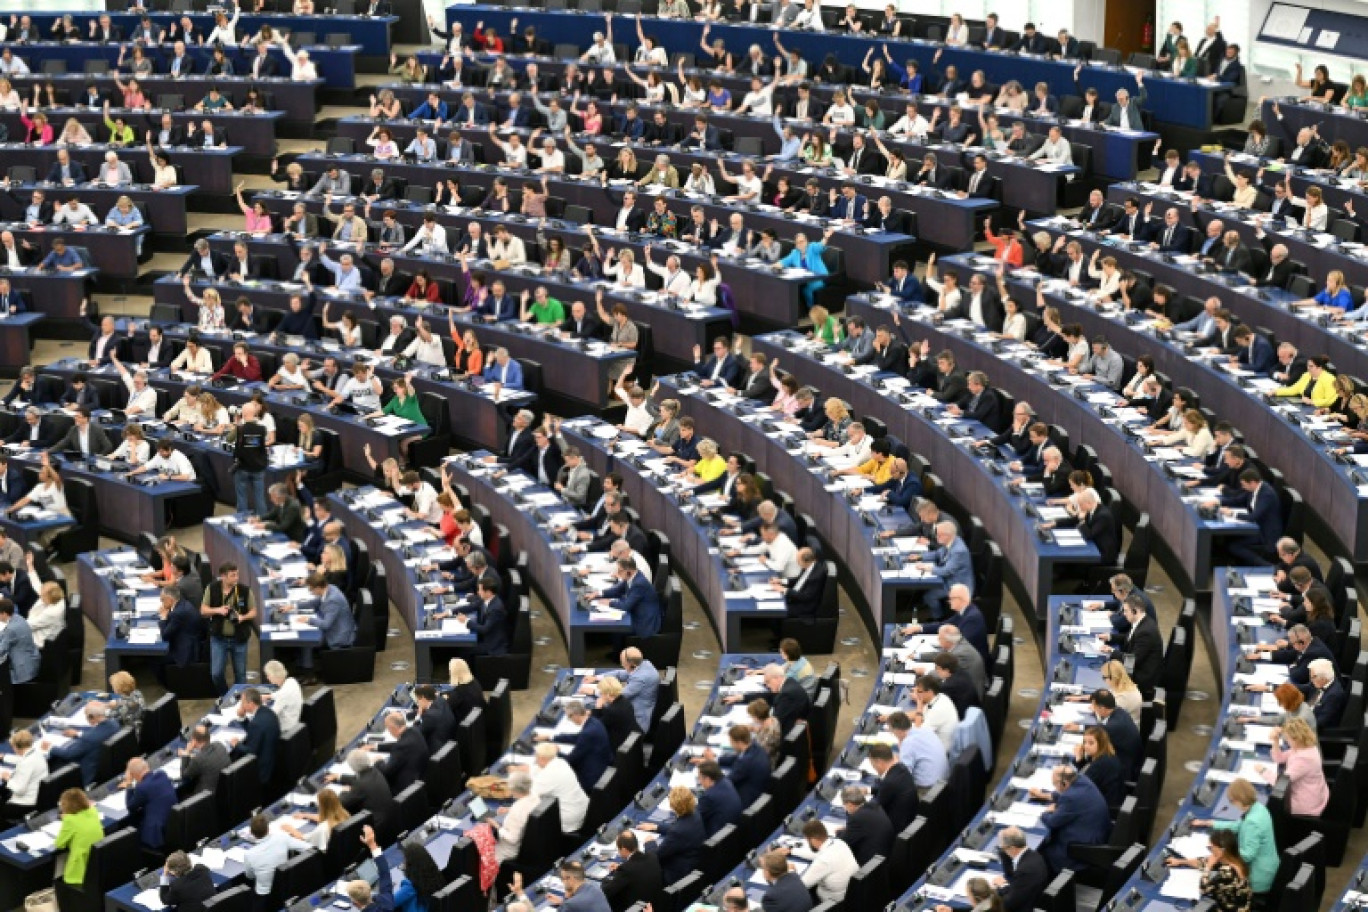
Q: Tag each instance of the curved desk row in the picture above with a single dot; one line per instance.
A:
(977, 484)
(1183, 102)
(676, 327)
(255, 133)
(849, 528)
(298, 100)
(867, 256)
(1330, 489)
(32, 867)
(209, 170)
(164, 211)
(581, 373)
(1074, 666)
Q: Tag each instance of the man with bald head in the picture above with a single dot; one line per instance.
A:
(84, 747)
(802, 594)
(951, 563)
(151, 795)
(965, 616)
(1025, 875)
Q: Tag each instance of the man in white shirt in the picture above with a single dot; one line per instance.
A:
(778, 552)
(855, 451)
(362, 389)
(552, 777)
(935, 710)
(74, 213)
(552, 159)
(113, 171)
(810, 19)
(601, 52)
(674, 280)
(424, 498)
(272, 849)
(432, 237)
(426, 346)
(168, 461)
(911, 124)
(832, 866)
(11, 254)
(1056, 149)
(142, 399)
(507, 248)
(304, 69)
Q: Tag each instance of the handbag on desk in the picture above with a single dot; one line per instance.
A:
(44, 900)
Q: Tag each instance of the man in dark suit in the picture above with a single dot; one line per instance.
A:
(262, 735)
(754, 382)
(982, 404)
(803, 594)
(1256, 353)
(637, 877)
(747, 764)
(543, 460)
(902, 488)
(720, 803)
(884, 218)
(1025, 873)
(786, 892)
(1290, 557)
(203, 761)
(951, 384)
(1098, 215)
(721, 369)
(1326, 695)
(896, 792)
(868, 831)
(591, 752)
(789, 701)
(151, 795)
(519, 440)
(1261, 507)
(1280, 268)
(407, 755)
(1031, 41)
(1301, 650)
(978, 183)
(956, 684)
(933, 175)
(435, 720)
(1080, 815)
(492, 626)
(1143, 643)
(182, 628)
(65, 170)
(580, 324)
(965, 616)
(634, 594)
(367, 790)
(1098, 525)
(32, 432)
(84, 438)
(1121, 730)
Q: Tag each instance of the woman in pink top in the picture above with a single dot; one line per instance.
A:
(133, 96)
(786, 391)
(1307, 792)
(258, 219)
(39, 130)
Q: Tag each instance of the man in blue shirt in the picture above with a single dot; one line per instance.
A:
(747, 764)
(1080, 815)
(61, 257)
(151, 796)
(346, 274)
(920, 750)
(332, 616)
(951, 563)
(432, 109)
(634, 595)
(83, 748)
(640, 685)
(504, 371)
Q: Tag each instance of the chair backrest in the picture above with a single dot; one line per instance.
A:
(445, 775)
(161, 722)
(239, 788)
(190, 821)
(115, 754)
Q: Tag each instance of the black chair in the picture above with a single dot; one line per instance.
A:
(542, 842)
(239, 788)
(498, 718)
(413, 807)
(319, 717)
(293, 760)
(161, 723)
(191, 821)
(353, 664)
(471, 736)
(56, 782)
(444, 776)
(115, 754)
(113, 861)
(235, 899)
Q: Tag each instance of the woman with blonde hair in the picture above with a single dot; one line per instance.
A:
(330, 815)
(833, 433)
(48, 494)
(1301, 761)
(1194, 435)
(47, 617)
(333, 564)
(127, 704)
(1125, 690)
(293, 176)
(680, 846)
(211, 314)
(307, 439)
(410, 72)
(214, 416)
(23, 781)
(1254, 835)
(709, 465)
(614, 712)
(825, 326)
(73, 133)
(465, 693)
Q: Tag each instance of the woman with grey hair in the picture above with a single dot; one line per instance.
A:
(288, 699)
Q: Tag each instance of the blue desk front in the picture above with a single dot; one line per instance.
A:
(1186, 103)
(372, 33)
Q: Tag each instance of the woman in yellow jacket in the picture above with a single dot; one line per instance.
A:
(80, 830)
(1316, 386)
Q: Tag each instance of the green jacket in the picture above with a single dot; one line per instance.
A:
(79, 832)
(408, 409)
(1257, 846)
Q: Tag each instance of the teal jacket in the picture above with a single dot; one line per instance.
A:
(1257, 846)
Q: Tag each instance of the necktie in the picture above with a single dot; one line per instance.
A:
(974, 181)
(1168, 236)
